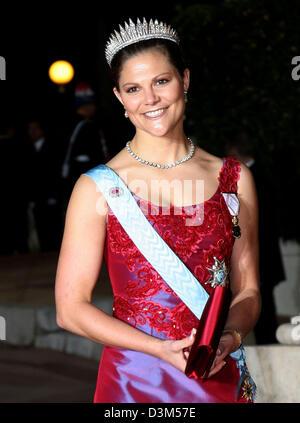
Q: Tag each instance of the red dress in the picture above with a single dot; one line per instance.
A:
(142, 299)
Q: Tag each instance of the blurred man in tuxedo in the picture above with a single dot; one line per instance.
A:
(86, 145)
(43, 190)
(13, 210)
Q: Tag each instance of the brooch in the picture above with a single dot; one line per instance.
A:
(236, 230)
(248, 389)
(115, 191)
(233, 205)
(218, 273)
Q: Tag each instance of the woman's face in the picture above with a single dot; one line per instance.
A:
(152, 91)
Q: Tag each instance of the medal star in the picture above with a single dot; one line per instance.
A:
(218, 274)
(247, 390)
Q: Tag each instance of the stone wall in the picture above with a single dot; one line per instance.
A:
(29, 325)
(287, 293)
(276, 372)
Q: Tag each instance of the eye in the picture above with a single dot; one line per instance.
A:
(162, 81)
(132, 90)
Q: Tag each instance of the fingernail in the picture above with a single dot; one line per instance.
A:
(193, 333)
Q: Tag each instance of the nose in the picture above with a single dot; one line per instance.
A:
(151, 96)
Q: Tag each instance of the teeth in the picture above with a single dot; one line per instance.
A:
(156, 113)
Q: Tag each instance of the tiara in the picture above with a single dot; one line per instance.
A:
(135, 33)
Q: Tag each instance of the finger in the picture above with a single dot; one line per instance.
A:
(217, 368)
(226, 343)
(218, 359)
(215, 363)
(189, 340)
(186, 354)
(214, 371)
(193, 333)
(222, 351)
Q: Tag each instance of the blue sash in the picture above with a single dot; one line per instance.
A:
(173, 271)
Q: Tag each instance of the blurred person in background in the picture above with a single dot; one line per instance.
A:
(43, 164)
(86, 146)
(240, 146)
(13, 210)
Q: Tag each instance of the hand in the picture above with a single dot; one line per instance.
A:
(173, 351)
(226, 346)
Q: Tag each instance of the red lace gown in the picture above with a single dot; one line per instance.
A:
(142, 299)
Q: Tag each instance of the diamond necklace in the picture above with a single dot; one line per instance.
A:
(159, 165)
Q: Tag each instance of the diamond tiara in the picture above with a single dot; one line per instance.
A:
(135, 33)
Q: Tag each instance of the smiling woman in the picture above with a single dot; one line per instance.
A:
(148, 338)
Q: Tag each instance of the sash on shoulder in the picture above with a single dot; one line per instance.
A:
(211, 310)
(173, 271)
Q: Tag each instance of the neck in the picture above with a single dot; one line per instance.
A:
(164, 150)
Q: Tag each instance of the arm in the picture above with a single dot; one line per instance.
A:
(78, 269)
(244, 281)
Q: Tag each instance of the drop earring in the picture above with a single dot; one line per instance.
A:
(185, 96)
(126, 114)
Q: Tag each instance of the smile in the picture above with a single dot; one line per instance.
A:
(155, 113)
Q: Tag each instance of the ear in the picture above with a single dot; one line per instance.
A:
(186, 79)
(117, 94)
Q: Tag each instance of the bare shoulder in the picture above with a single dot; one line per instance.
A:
(87, 197)
(246, 183)
(87, 200)
(85, 187)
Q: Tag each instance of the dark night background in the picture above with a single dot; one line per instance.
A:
(31, 40)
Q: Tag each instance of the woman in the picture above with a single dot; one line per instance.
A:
(148, 338)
